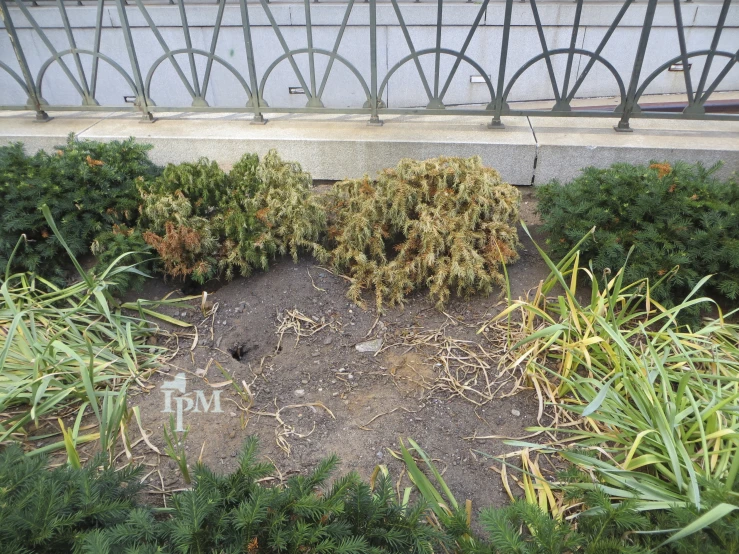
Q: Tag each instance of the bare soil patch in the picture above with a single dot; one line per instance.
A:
(289, 337)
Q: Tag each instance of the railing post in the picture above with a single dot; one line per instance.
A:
(199, 98)
(141, 101)
(255, 100)
(697, 107)
(435, 102)
(34, 99)
(374, 116)
(315, 101)
(496, 123)
(87, 99)
(630, 104)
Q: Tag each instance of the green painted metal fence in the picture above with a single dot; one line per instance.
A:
(80, 66)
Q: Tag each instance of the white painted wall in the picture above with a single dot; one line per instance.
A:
(404, 88)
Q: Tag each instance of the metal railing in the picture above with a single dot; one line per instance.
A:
(194, 66)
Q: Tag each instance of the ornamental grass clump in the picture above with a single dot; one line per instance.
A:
(446, 224)
(647, 407)
(204, 222)
(66, 349)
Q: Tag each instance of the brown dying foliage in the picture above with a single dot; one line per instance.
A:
(662, 169)
(176, 249)
(93, 163)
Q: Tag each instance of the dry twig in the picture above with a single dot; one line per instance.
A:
(300, 324)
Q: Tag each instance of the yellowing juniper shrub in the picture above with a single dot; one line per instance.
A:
(283, 204)
(445, 224)
(203, 221)
(279, 216)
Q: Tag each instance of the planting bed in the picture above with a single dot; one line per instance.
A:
(318, 394)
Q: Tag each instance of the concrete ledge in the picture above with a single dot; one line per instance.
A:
(566, 145)
(329, 148)
(536, 149)
(23, 127)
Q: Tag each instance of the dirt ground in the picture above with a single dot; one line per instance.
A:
(315, 393)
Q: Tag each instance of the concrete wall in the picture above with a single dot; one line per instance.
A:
(342, 90)
(530, 150)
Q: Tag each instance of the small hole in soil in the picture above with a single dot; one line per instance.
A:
(193, 288)
(240, 351)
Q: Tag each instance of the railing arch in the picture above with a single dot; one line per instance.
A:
(371, 55)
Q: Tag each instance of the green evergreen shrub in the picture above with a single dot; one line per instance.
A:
(605, 527)
(93, 510)
(236, 514)
(204, 222)
(445, 224)
(121, 239)
(681, 216)
(50, 511)
(89, 186)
